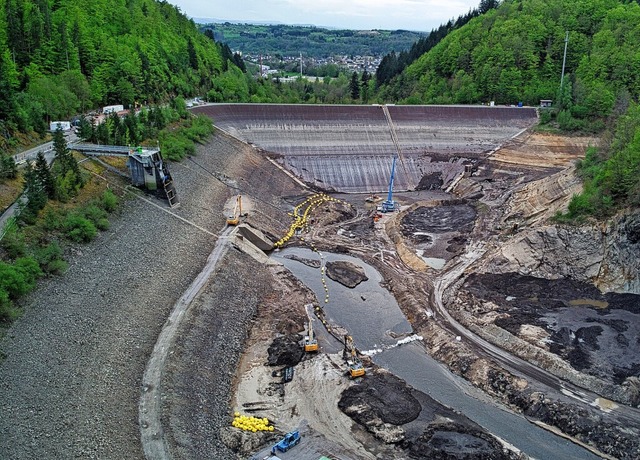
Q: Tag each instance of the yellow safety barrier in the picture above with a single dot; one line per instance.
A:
(300, 222)
(252, 424)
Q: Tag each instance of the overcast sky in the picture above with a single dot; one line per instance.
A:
(418, 15)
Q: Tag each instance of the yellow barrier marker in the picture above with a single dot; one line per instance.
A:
(252, 424)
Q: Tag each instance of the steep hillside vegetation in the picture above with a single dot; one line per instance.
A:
(394, 63)
(61, 57)
(611, 174)
(514, 53)
(315, 42)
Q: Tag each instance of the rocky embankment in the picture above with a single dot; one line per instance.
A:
(566, 298)
(72, 365)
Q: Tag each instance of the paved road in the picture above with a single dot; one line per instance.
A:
(23, 157)
(47, 148)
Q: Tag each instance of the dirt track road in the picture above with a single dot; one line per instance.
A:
(553, 386)
(154, 442)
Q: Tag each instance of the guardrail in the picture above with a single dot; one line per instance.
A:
(23, 157)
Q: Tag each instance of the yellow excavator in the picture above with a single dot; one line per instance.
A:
(356, 368)
(234, 218)
(310, 340)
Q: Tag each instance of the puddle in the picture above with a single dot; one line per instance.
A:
(589, 303)
(432, 262)
(368, 311)
(605, 405)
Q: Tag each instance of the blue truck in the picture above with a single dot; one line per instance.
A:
(290, 439)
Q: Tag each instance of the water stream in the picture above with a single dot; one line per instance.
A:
(373, 318)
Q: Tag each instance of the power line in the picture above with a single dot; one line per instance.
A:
(235, 187)
(564, 59)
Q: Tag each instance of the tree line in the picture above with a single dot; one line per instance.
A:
(28, 256)
(59, 58)
(514, 53)
(315, 42)
(394, 63)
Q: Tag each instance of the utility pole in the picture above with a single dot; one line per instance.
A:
(564, 59)
(300, 64)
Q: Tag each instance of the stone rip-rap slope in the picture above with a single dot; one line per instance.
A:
(71, 375)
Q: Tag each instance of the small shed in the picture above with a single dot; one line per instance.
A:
(148, 170)
(545, 102)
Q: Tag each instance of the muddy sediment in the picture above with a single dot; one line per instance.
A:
(424, 429)
(285, 350)
(380, 396)
(440, 229)
(346, 273)
(597, 333)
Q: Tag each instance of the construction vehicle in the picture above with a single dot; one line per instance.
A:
(290, 439)
(287, 374)
(310, 340)
(234, 218)
(389, 205)
(356, 368)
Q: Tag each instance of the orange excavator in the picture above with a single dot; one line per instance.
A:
(310, 340)
(356, 368)
(234, 218)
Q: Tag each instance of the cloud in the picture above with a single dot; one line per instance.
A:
(381, 11)
(352, 14)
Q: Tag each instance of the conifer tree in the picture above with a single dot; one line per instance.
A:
(36, 197)
(366, 76)
(65, 164)
(354, 86)
(44, 176)
(8, 167)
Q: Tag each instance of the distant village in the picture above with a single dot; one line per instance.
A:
(349, 63)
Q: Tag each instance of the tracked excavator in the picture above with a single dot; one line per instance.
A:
(310, 340)
(234, 219)
(356, 368)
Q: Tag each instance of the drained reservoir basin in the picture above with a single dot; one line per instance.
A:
(371, 315)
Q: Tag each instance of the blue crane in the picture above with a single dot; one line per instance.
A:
(389, 205)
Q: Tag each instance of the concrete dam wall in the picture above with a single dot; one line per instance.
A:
(349, 148)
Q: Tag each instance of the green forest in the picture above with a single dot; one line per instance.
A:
(514, 53)
(60, 58)
(314, 42)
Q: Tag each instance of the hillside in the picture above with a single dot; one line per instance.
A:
(514, 53)
(63, 57)
(314, 42)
